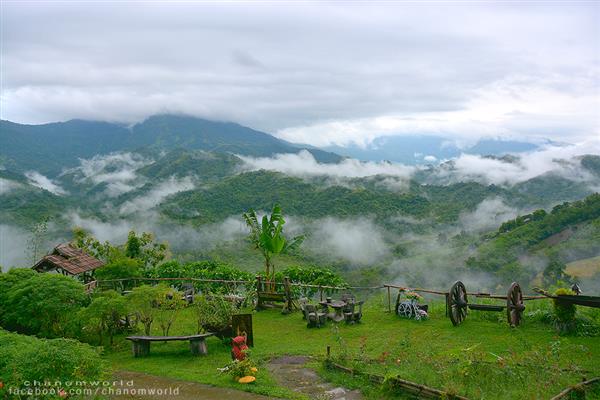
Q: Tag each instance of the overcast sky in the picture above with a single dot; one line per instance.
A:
(317, 73)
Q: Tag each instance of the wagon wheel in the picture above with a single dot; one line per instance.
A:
(457, 300)
(514, 304)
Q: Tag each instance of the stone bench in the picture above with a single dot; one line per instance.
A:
(140, 345)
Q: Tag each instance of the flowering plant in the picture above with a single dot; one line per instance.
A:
(239, 369)
(413, 296)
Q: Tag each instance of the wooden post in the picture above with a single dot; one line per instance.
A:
(447, 299)
(328, 351)
(241, 325)
(258, 287)
(320, 293)
(288, 295)
(141, 348)
(389, 300)
(198, 347)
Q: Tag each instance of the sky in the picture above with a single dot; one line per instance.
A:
(319, 73)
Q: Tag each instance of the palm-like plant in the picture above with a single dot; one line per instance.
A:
(267, 237)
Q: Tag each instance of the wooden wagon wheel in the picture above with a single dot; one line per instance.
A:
(458, 303)
(514, 304)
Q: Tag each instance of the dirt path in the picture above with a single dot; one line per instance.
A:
(289, 371)
(166, 388)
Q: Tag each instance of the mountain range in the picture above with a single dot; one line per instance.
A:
(189, 180)
(50, 148)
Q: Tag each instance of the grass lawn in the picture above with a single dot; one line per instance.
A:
(482, 359)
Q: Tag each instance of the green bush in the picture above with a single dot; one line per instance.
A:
(10, 279)
(564, 312)
(204, 270)
(103, 315)
(310, 276)
(44, 304)
(121, 268)
(144, 302)
(214, 313)
(26, 358)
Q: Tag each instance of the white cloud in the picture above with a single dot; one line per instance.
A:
(117, 170)
(43, 182)
(157, 194)
(359, 240)
(551, 159)
(180, 237)
(355, 72)
(13, 247)
(519, 107)
(7, 186)
(489, 214)
(304, 164)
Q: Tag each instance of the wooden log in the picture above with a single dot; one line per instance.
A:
(412, 387)
(580, 385)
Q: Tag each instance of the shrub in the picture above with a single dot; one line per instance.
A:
(26, 358)
(8, 280)
(170, 305)
(203, 270)
(44, 304)
(311, 276)
(103, 315)
(120, 269)
(144, 301)
(214, 313)
(564, 312)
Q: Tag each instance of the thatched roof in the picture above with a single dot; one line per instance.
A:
(69, 259)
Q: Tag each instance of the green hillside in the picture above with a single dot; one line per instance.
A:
(207, 166)
(506, 251)
(49, 148)
(24, 204)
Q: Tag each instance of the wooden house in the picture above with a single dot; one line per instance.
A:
(69, 260)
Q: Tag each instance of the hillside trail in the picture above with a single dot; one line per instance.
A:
(290, 372)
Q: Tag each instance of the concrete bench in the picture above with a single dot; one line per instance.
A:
(140, 345)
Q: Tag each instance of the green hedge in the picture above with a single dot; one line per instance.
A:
(60, 362)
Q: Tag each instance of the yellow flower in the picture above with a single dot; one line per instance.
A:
(254, 369)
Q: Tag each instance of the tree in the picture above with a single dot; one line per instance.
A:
(554, 272)
(44, 304)
(104, 314)
(138, 247)
(143, 301)
(119, 269)
(103, 251)
(170, 305)
(144, 248)
(35, 243)
(268, 237)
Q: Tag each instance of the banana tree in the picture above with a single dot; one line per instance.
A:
(267, 237)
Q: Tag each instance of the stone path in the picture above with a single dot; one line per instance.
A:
(175, 389)
(290, 372)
